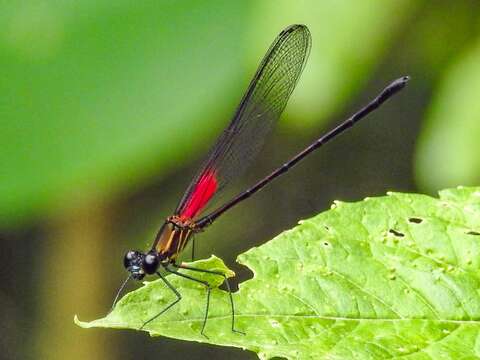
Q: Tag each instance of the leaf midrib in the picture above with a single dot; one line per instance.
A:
(335, 318)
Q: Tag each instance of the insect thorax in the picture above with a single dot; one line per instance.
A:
(174, 236)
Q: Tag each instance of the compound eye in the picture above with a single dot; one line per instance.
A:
(129, 258)
(150, 263)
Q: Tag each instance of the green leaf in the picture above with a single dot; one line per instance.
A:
(387, 277)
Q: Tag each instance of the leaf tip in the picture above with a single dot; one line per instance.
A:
(80, 323)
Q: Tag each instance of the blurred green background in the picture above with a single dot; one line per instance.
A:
(106, 108)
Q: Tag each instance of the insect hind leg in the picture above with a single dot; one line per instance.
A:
(227, 283)
(175, 291)
(208, 288)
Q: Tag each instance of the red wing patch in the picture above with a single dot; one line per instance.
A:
(201, 194)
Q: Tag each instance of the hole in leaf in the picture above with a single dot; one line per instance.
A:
(471, 232)
(326, 243)
(242, 273)
(415, 220)
(396, 233)
(327, 228)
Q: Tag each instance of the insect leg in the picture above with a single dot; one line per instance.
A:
(119, 292)
(182, 266)
(193, 248)
(179, 297)
(207, 286)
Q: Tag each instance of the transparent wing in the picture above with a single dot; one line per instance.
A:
(260, 108)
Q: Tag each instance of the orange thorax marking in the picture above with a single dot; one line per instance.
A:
(174, 236)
